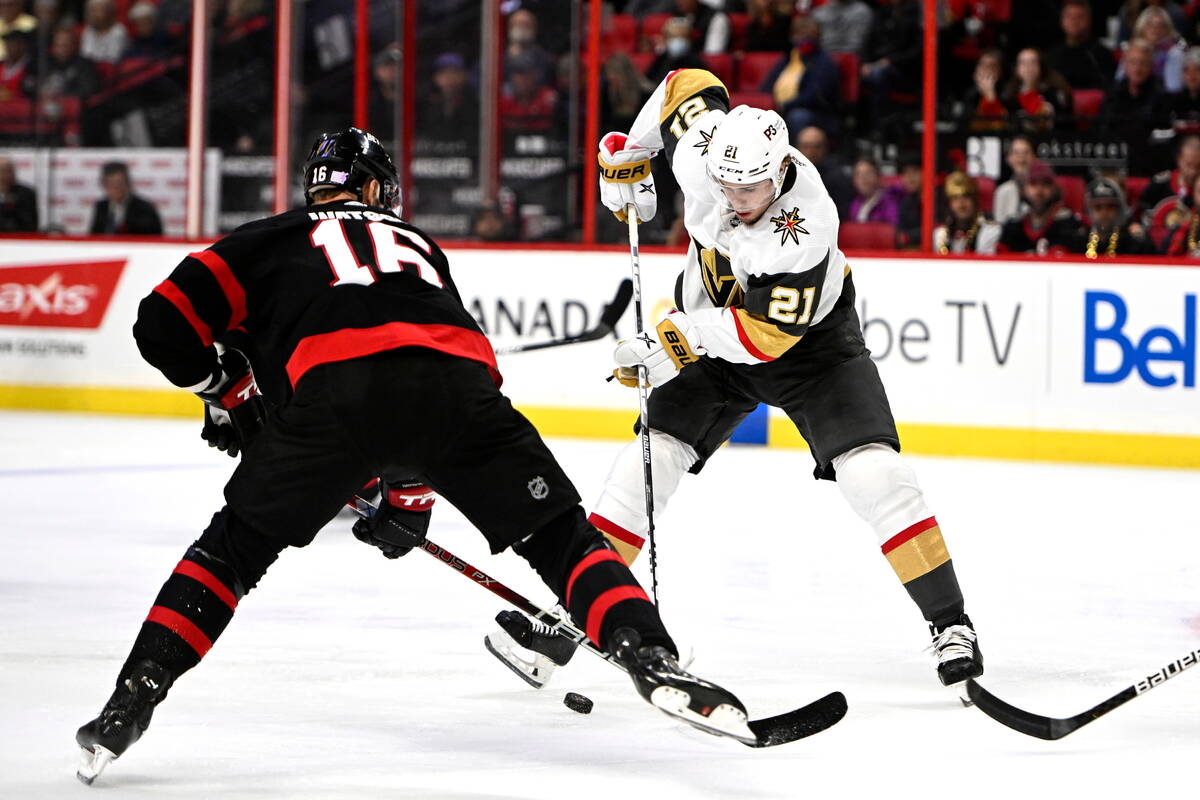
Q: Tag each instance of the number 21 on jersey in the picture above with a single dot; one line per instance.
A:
(394, 251)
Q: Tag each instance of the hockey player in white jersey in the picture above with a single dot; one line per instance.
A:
(765, 314)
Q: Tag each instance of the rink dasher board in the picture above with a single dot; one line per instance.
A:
(1047, 360)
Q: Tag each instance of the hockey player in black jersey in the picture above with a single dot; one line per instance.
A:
(374, 368)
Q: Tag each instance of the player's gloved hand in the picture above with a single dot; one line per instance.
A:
(402, 520)
(676, 345)
(625, 178)
(234, 409)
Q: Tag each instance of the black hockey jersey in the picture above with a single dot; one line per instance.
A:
(310, 286)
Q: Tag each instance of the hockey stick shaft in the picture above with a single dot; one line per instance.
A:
(608, 322)
(366, 509)
(643, 386)
(1052, 728)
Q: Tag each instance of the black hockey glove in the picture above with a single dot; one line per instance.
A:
(401, 521)
(234, 409)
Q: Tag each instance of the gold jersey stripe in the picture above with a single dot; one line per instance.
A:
(685, 84)
(921, 554)
(765, 335)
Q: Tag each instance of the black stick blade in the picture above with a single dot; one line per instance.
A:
(812, 718)
(1030, 724)
(613, 311)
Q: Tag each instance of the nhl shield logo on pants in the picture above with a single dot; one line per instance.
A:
(538, 488)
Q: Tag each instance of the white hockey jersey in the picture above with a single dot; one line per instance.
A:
(754, 288)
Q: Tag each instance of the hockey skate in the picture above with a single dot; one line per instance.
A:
(549, 648)
(124, 719)
(660, 680)
(956, 649)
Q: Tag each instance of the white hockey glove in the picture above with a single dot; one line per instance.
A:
(676, 346)
(625, 178)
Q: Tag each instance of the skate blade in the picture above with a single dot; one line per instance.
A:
(536, 671)
(724, 720)
(92, 763)
(961, 689)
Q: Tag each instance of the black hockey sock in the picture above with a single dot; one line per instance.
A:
(919, 556)
(199, 598)
(592, 581)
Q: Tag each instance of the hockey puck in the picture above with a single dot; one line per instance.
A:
(577, 702)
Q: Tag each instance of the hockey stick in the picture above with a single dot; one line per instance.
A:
(643, 385)
(608, 321)
(770, 731)
(1055, 727)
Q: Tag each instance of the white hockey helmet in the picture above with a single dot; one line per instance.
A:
(749, 146)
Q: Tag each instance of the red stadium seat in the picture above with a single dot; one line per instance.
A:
(1072, 191)
(1087, 104)
(737, 31)
(642, 61)
(721, 65)
(755, 99)
(847, 64)
(1134, 186)
(753, 67)
(987, 190)
(621, 35)
(867, 236)
(1158, 235)
(651, 27)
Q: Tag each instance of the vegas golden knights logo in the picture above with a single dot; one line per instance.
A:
(717, 274)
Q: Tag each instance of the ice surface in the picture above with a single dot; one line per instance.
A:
(348, 675)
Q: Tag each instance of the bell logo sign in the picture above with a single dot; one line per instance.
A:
(73, 295)
(1150, 353)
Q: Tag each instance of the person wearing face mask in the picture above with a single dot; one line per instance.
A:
(523, 46)
(1110, 232)
(805, 82)
(678, 50)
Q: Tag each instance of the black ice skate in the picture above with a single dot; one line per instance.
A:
(550, 649)
(659, 678)
(957, 651)
(124, 719)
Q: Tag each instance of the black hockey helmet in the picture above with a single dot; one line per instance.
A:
(346, 159)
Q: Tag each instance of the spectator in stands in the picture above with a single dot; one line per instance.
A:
(1036, 96)
(1048, 226)
(1131, 11)
(1135, 105)
(970, 33)
(490, 225)
(1008, 202)
(873, 202)
(386, 92)
(526, 104)
(148, 40)
(1167, 190)
(49, 15)
(966, 229)
(18, 203)
(710, 26)
(845, 25)
(892, 55)
(104, 38)
(122, 212)
(1110, 231)
(1184, 237)
(18, 80)
(524, 48)
(677, 51)
(982, 110)
(770, 26)
(1155, 28)
(1184, 105)
(623, 92)
(908, 229)
(1080, 59)
(68, 74)
(14, 18)
(805, 82)
(451, 110)
(813, 144)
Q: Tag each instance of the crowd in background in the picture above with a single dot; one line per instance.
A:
(1064, 125)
